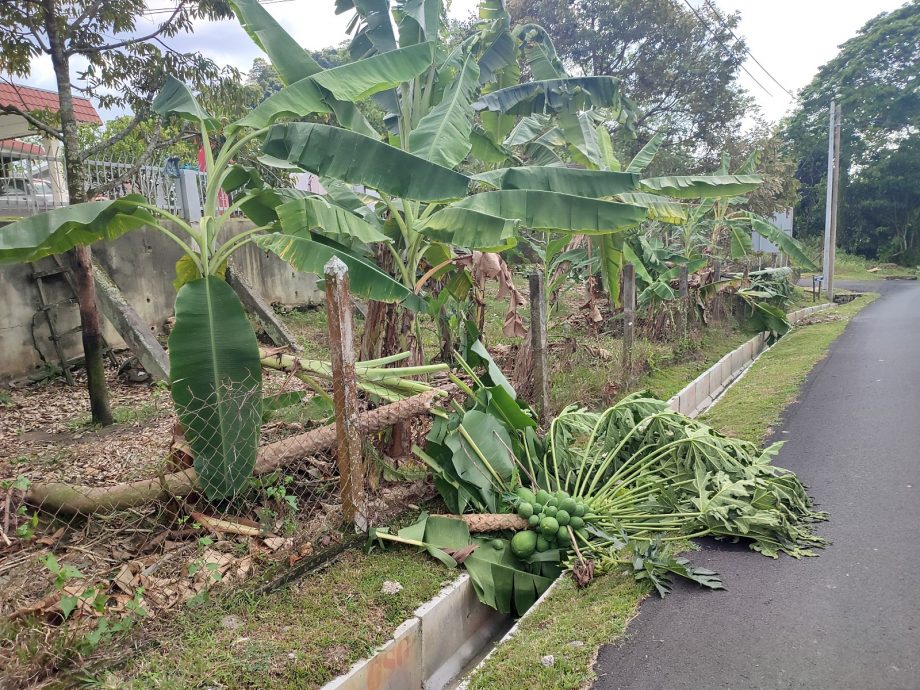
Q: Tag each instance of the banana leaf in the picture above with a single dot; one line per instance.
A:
(483, 457)
(314, 212)
(561, 212)
(642, 159)
(355, 81)
(175, 98)
(569, 95)
(309, 253)
(62, 229)
(786, 243)
(442, 136)
(357, 159)
(539, 53)
(463, 227)
(216, 384)
(584, 183)
(659, 208)
(291, 61)
(702, 186)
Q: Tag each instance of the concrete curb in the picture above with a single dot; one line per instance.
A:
(433, 647)
(700, 394)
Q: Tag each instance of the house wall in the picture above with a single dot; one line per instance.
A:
(142, 264)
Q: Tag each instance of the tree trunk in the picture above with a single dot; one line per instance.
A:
(81, 259)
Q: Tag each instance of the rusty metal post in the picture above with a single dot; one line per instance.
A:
(684, 292)
(349, 457)
(629, 322)
(538, 343)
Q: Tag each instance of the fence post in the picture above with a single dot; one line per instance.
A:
(684, 292)
(629, 322)
(717, 298)
(189, 199)
(345, 394)
(538, 343)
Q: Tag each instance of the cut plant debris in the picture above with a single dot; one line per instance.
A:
(599, 491)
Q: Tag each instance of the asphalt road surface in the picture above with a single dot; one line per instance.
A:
(851, 617)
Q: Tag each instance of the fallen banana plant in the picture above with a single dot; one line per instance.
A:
(599, 491)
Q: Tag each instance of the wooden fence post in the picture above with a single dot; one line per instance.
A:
(629, 322)
(684, 292)
(717, 298)
(538, 343)
(349, 456)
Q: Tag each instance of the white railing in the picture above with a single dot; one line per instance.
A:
(32, 181)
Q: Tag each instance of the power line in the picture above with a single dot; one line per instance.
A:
(715, 11)
(169, 10)
(716, 36)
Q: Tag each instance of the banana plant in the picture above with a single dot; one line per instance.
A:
(215, 371)
(450, 105)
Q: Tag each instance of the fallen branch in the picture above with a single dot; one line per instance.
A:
(60, 497)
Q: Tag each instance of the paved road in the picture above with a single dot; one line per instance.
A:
(850, 618)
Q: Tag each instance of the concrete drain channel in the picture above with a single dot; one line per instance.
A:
(447, 637)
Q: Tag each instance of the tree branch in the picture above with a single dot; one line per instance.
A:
(32, 120)
(142, 160)
(90, 50)
(115, 138)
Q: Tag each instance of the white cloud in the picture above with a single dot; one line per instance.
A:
(792, 38)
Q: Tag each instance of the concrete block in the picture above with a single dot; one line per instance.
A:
(701, 390)
(397, 665)
(725, 369)
(737, 359)
(715, 379)
(455, 628)
(688, 400)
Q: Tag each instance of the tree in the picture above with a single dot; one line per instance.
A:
(876, 80)
(681, 74)
(882, 210)
(122, 69)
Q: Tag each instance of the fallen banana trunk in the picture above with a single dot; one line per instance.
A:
(60, 497)
(493, 522)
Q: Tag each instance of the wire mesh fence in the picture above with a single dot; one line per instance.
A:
(210, 498)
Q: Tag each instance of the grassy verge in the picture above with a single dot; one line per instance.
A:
(851, 267)
(569, 625)
(755, 405)
(301, 636)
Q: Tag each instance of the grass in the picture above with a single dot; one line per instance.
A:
(754, 406)
(852, 267)
(301, 636)
(570, 625)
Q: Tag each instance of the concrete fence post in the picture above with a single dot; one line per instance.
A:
(629, 322)
(349, 456)
(538, 343)
(189, 198)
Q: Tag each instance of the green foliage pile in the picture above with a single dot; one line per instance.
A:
(600, 490)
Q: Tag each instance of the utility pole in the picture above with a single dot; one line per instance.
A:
(836, 203)
(830, 209)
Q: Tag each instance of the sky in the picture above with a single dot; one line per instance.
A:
(790, 38)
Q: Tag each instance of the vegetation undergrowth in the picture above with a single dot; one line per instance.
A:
(752, 407)
(301, 636)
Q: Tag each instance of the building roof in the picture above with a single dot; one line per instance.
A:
(24, 148)
(29, 98)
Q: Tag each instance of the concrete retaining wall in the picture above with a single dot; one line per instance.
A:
(697, 396)
(142, 264)
(433, 647)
